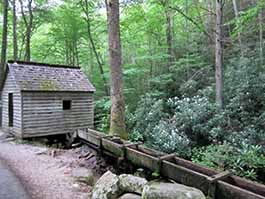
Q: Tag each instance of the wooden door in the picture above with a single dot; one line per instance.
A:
(10, 110)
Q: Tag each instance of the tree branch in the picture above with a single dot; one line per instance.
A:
(192, 21)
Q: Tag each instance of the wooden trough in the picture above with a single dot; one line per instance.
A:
(216, 185)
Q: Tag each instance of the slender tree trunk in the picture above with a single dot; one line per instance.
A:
(151, 55)
(66, 53)
(169, 30)
(91, 64)
(3, 52)
(237, 16)
(99, 62)
(29, 30)
(210, 23)
(4, 41)
(28, 24)
(261, 36)
(93, 46)
(219, 55)
(15, 48)
(76, 54)
(117, 121)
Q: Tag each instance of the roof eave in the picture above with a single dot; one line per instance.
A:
(58, 91)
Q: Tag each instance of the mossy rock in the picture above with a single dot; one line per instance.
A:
(132, 184)
(106, 187)
(162, 190)
(130, 196)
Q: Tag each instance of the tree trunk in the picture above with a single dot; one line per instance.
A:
(99, 62)
(15, 48)
(28, 24)
(4, 41)
(93, 47)
(117, 121)
(237, 16)
(29, 30)
(261, 37)
(169, 30)
(210, 26)
(3, 52)
(219, 55)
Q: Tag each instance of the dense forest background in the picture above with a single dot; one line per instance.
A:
(169, 66)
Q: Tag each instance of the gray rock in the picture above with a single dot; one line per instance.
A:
(156, 190)
(132, 184)
(82, 174)
(106, 187)
(130, 196)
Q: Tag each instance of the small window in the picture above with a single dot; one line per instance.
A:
(67, 104)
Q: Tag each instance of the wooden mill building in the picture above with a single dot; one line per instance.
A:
(43, 99)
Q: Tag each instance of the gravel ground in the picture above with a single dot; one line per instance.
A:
(45, 173)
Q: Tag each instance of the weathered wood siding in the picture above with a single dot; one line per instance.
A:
(11, 87)
(1, 109)
(43, 112)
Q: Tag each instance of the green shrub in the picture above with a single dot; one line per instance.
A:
(166, 137)
(197, 118)
(147, 115)
(102, 114)
(245, 161)
(188, 122)
(229, 139)
(249, 135)
(213, 156)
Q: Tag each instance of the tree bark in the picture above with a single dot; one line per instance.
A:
(28, 24)
(93, 47)
(169, 32)
(261, 36)
(3, 52)
(4, 42)
(29, 30)
(219, 55)
(117, 121)
(237, 16)
(210, 21)
(15, 48)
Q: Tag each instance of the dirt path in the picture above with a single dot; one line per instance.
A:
(43, 175)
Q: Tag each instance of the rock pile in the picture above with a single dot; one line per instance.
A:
(125, 186)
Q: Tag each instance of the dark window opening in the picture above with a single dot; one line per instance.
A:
(10, 109)
(67, 104)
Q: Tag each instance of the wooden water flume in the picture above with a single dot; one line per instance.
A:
(222, 185)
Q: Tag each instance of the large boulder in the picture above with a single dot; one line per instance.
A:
(162, 190)
(130, 196)
(106, 187)
(132, 184)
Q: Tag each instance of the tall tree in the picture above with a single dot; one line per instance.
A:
(169, 18)
(4, 41)
(237, 16)
(219, 54)
(29, 24)
(169, 31)
(260, 16)
(3, 51)
(99, 60)
(117, 121)
(15, 48)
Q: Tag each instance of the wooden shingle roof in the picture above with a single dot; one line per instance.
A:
(31, 76)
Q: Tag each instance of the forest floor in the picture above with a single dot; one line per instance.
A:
(47, 173)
